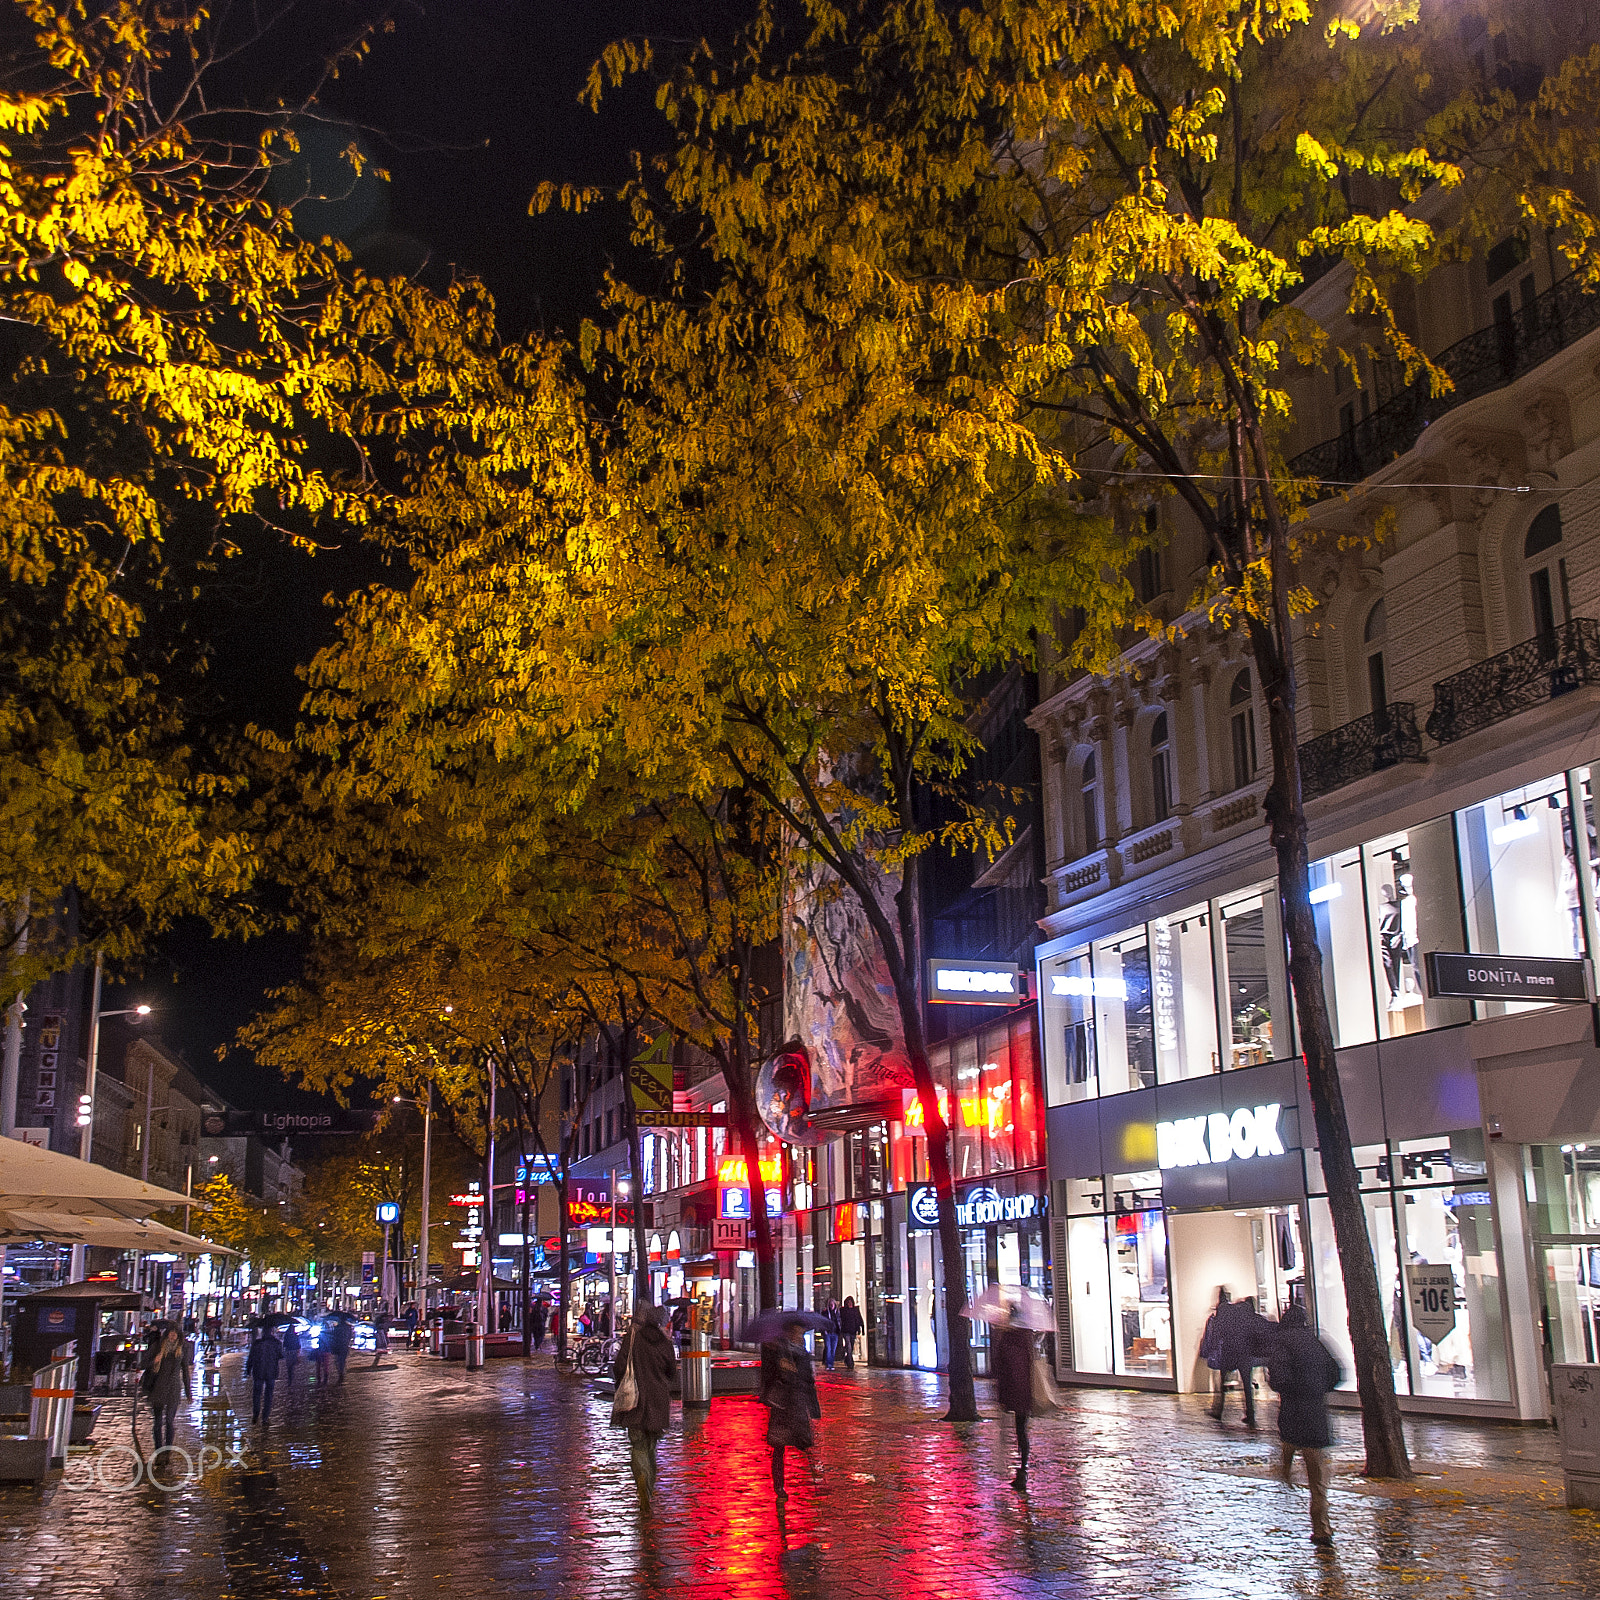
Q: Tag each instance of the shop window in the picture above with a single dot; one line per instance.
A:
(1124, 1015)
(1333, 1317)
(1564, 1182)
(1242, 730)
(1414, 902)
(1028, 1113)
(1253, 978)
(1160, 770)
(968, 1116)
(1336, 909)
(1089, 800)
(1183, 995)
(1090, 1308)
(996, 1100)
(1071, 1060)
(1141, 1309)
(1520, 878)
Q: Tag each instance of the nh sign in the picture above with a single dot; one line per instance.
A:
(1209, 1141)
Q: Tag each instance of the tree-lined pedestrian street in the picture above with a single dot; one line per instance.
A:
(420, 1479)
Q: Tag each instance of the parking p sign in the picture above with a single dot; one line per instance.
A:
(1431, 1292)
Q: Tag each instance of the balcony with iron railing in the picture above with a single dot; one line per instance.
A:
(1538, 670)
(1483, 361)
(1370, 744)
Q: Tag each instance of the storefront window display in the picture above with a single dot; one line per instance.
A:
(1254, 977)
(994, 1110)
(1428, 1208)
(1564, 1181)
(1120, 1313)
(1520, 876)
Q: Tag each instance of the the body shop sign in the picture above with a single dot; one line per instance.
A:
(1221, 1136)
(978, 1207)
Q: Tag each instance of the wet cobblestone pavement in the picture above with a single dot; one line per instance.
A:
(421, 1479)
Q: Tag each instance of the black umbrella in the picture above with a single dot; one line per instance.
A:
(279, 1319)
(340, 1316)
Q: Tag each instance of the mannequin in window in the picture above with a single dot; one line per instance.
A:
(1391, 937)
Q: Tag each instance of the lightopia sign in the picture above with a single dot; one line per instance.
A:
(1208, 1141)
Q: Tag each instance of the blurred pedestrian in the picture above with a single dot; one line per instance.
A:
(680, 1322)
(380, 1337)
(167, 1380)
(324, 1350)
(539, 1322)
(647, 1351)
(261, 1367)
(830, 1337)
(789, 1391)
(290, 1339)
(851, 1327)
(1012, 1355)
(1242, 1339)
(1303, 1370)
(340, 1337)
(410, 1323)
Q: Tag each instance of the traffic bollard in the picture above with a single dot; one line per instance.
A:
(697, 1371)
(474, 1346)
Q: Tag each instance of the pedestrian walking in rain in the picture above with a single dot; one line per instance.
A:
(1012, 1354)
(324, 1351)
(789, 1391)
(290, 1340)
(261, 1367)
(167, 1380)
(538, 1323)
(830, 1339)
(340, 1337)
(1303, 1369)
(1241, 1338)
(646, 1357)
(380, 1337)
(851, 1327)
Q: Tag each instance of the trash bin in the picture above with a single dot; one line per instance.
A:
(474, 1333)
(696, 1368)
(1576, 1392)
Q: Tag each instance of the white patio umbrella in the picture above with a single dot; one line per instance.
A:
(35, 1180)
(108, 1233)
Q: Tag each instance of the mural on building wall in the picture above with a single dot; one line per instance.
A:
(845, 1043)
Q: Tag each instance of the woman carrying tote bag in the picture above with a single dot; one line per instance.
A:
(645, 1370)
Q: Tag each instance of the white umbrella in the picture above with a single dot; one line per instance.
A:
(1006, 1305)
(41, 1180)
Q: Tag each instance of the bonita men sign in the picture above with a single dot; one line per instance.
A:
(1492, 977)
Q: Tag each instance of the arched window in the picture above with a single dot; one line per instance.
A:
(1547, 573)
(1160, 770)
(1089, 792)
(1242, 729)
(1372, 637)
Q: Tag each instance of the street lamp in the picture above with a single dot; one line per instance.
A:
(426, 1108)
(86, 1099)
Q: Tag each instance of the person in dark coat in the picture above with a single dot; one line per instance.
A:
(167, 1382)
(830, 1338)
(851, 1327)
(1303, 1369)
(340, 1337)
(261, 1367)
(655, 1370)
(789, 1391)
(289, 1338)
(1242, 1337)
(538, 1321)
(1012, 1355)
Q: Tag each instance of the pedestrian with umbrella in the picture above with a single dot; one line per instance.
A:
(1020, 1385)
(290, 1339)
(340, 1337)
(645, 1370)
(788, 1385)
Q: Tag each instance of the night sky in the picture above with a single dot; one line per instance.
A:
(469, 105)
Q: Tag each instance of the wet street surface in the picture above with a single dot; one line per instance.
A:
(421, 1479)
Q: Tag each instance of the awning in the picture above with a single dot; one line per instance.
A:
(103, 1232)
(41, 1180)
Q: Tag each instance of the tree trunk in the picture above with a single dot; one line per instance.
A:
(641, 1258)
(1380, 1411)
(746, 1122)
(565, 1269)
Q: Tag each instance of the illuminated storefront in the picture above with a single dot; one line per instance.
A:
(1181, 1141)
